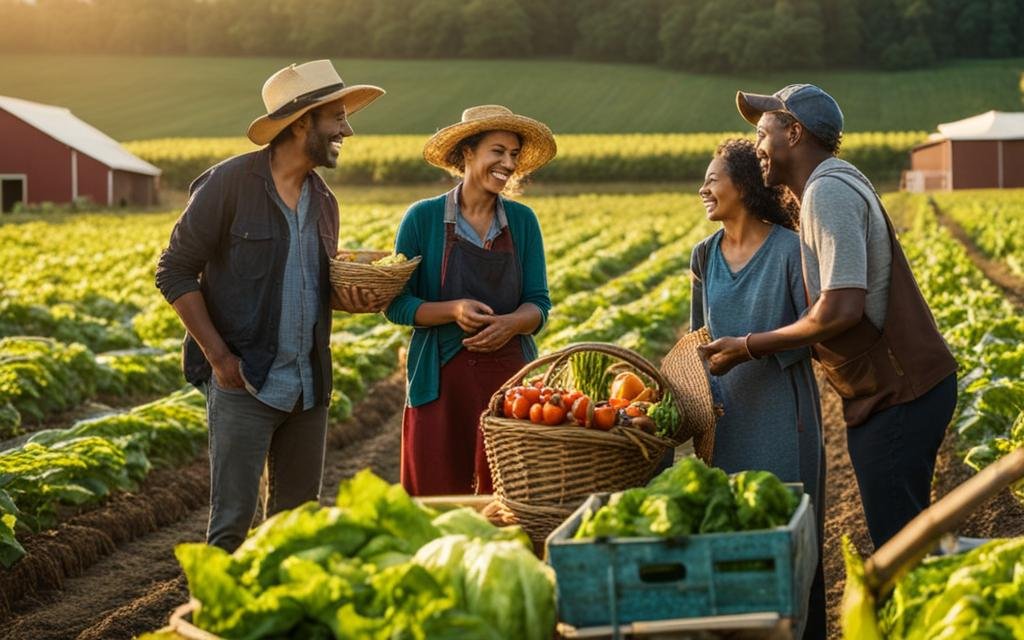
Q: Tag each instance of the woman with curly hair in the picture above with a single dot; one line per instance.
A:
(747, 278)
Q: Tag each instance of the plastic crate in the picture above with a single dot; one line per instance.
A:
(616, 581)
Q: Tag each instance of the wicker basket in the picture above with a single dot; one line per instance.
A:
(687, 375)
(362, 287)
(542, 473)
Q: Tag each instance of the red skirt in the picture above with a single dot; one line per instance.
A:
(442, 445)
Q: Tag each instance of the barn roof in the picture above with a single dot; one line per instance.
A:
(991, 125)
(60, 124)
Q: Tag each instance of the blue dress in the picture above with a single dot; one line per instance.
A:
(772, 415)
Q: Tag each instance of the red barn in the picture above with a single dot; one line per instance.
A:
(49, 155)
(985, 151)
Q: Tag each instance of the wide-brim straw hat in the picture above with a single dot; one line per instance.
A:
(296, 89)
(687, 373)
(538, 146)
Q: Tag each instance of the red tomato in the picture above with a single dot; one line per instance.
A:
(553, 414)
(579, 409)
(604, 418)
(507, 412)
(537, 413)
(521, 408)
(618, 403)
(531, 393)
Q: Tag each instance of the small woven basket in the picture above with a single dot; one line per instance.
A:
(362, 287)
(542, 473)
(687, 375)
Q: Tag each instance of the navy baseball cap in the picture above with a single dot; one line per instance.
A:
(810, 105)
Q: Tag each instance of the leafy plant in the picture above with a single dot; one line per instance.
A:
(374, 565)
(689, 498)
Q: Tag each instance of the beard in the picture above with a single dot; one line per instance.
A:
(319, 150)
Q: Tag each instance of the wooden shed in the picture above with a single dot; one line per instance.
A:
(49, 155)
(985, 151)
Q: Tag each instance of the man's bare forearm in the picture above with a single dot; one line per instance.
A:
(833, 313)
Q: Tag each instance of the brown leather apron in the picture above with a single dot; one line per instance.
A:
(872, 370)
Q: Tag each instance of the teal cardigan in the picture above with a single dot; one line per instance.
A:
(421, 233)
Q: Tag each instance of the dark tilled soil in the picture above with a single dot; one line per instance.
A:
(1002, 516)
(54, 556)
(843, 511)
(120, 589)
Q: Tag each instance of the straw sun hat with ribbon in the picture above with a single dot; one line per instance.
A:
(296, 89)
(538, 141)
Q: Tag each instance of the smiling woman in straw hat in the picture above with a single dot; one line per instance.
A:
(476, 299)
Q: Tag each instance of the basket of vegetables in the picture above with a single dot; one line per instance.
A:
(599, 420)
(367, 281)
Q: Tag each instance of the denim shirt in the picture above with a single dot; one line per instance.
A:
(291, 372)
(453, 214)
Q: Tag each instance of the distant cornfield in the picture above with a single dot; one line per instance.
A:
(398, 159)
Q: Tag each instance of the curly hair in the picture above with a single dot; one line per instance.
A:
(830, 144)
(456, 159)
(771, 204)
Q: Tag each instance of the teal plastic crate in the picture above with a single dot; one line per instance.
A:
(616, 581)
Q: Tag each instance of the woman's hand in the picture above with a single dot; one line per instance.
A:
(495, 335)
(471, 315)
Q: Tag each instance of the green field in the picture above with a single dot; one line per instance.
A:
(151, 97)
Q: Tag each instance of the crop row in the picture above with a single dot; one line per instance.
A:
(994, 220)
(983, 329)
(84, 464)
(581, 157)
(40, 377)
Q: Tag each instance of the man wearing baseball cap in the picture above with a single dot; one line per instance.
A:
(246, 269)
(868, 323)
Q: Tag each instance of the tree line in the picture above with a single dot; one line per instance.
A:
(695, 35)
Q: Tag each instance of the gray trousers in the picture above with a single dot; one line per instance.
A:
(245, 436)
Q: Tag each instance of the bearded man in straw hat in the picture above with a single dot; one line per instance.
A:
(246, 269)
